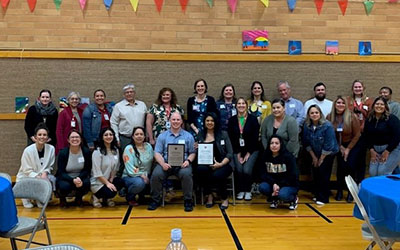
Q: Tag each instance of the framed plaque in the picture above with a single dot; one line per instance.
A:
(205, 155)
(176, 154)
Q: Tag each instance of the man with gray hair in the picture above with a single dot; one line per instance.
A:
(127, 114)
(293, 107)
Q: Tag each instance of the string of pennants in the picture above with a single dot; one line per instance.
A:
(368, 4)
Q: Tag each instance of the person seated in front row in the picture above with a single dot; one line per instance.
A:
(279, 175)
(73, 173)
(105, 164)
(175, 135)
(216, 174)
(37, 160)
(138, 159)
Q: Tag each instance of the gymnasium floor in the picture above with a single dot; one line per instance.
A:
(248, 225)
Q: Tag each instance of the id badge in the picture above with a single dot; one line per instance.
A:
(339, 129)
(81, 159)
(365, 107)
(181, 141)
(106, 117)
(196, 108)
(264, 106)
(292, 105)
(222, 106)
(168, 125)
(234, 112)
(241, 142)
(222, 142)
(73, 124)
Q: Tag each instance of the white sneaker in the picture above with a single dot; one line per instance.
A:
(39, 204)
(240, 196)
(27, 203)
(110, 203)
(274, 204)
(319, 203)
(96, 201)
(293, 205)
(247, 196)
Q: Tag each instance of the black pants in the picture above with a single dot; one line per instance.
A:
(348, 167)
(105, 193)
(218, 179)
(322, 176)
(64, 187)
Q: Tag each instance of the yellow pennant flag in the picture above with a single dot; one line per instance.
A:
(265, 2)
(134, 4)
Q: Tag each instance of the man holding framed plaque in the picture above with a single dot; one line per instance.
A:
(174, 153)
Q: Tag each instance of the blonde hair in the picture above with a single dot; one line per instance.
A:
(346, 114)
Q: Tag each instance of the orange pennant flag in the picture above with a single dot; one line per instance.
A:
(183, 4)
(343, 5)
(32, 4)
(159, 4)
(318, 5)
(4, 3)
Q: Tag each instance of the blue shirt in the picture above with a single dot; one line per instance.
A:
(226, 111)
(294, 108)
(320, 139)
(168, 137)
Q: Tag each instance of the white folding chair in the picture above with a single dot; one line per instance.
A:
(34, 189)
(58, 247)
(376, 234)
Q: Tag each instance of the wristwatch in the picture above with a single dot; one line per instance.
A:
(189, 160)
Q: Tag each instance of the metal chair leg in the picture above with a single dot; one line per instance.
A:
(13, 244)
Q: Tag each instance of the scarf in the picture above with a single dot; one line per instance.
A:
(50, 109)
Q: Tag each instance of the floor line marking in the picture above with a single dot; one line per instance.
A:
(319, 213)
(232, 230)
(127, 214)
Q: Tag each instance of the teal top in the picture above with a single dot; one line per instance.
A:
(134, 167)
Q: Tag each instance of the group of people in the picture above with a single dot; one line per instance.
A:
(125, 148)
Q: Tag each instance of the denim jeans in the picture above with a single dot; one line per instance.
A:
(243, 172)
(286, 194)
(134, 186)
(385, 168)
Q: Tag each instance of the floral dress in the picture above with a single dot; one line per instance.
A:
(161, 117)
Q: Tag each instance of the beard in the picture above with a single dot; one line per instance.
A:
(320, 97)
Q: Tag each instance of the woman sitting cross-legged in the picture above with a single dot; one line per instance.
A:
(73, 173)
(105, 163)
(280, 177)
(138, 159)
(216, 174)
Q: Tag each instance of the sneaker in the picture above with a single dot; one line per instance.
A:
(122, 192)
(133, 203)
(188, 205)
(240, 196)
(274, 204)
(27, 203)
(320, 203)
(153, 205)
(39, 204)
(293, 204)
(247, 196)
(96, 201)
(110, 203)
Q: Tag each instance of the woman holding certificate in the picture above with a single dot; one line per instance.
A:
(214, 155)
(243, 130)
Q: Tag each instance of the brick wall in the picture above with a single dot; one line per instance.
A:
(199, 29)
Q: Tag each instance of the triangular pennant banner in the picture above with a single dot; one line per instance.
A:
(392, 1)
(183, 4)
(134, 4)
(291, 4)
(210, 3)
(4, 3)
(108, 3)
(82, 3)
(159, 4)
(343, 6)
(318, 5)
(265, 2)
(32, 4)
(57, 3)
(368, 6)
(232, 5)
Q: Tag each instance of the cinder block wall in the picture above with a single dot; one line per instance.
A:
(199, 29)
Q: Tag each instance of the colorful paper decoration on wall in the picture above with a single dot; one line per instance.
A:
(210, 3)
(159, 4)
(232, 5)
(392, 1)
(332, 48)
(21, 104)
(82, 3)
(318, 5)
(108, 3)
(4, 3)
(57, 3)
(294, 47)
(255, 40)
(291, 4)
(364, 48)
(343, 5)
(134, 4)
(32, 5)
(265, 2)
(183, 4)
(368, 5)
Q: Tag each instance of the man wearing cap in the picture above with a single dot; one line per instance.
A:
(127, 114)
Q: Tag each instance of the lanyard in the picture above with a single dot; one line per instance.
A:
(242, 122)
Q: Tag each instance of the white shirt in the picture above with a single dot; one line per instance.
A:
(325, 106)
(126, 116)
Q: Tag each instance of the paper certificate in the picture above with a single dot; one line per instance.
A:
(205, 154)
(176, 153)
